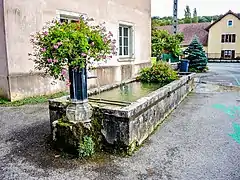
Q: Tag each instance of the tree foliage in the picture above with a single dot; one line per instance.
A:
(196, 56)
(187, 15)
(195, 17)
(168, 20)
(163, 41)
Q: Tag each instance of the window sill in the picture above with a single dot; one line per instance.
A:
(125, 59)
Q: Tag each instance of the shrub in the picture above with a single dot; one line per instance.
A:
(86, 148)
(160, 72)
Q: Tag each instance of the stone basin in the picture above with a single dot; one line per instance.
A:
(124, 125)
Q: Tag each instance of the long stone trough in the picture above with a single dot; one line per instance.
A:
(121, 128)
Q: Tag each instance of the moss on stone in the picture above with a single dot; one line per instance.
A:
(64, 124)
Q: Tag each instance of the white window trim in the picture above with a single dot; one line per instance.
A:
(70, 14)
(131, 26)
(229, 42)
(228, 21)
(229, 50)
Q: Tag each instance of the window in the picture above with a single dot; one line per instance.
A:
(228, 38)
(230, 23)
(228, 54)
(125, 40)
(68, 16)
(68, 19)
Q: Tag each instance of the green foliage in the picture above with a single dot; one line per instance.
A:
(196, 56)
(162, 41)
(31, 100)
(187, 15)
(195, 17)
(86, 148)
(168, 20)
(76, 44)
(160, 72)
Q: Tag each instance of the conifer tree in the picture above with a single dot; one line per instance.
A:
(196, 56)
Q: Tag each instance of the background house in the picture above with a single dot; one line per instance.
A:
(224, 37)
(129, 21)
(220, 39)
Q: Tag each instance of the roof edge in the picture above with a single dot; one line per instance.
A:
(219, 19)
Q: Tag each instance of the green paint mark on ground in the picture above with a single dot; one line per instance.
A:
(233, 112)
(236, 134)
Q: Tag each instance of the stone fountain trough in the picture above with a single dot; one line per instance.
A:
(120, 125)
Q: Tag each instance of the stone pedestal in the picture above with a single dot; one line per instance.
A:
(79, 112)
(70, 130)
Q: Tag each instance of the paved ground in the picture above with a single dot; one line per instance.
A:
(226, 74)
(193, 143)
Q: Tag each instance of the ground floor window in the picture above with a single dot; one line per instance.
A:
(228, 54)
(125, 41)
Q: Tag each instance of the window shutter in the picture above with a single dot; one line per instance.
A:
(222, 54)
(230, 38)
(234, 38)
(233, 54)
(131, 42)
(223, 36)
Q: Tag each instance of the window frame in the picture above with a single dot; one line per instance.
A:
(131, 41)
(228, 52)
(226, 37)
(122, 40)
(228, 23)
(69, 15)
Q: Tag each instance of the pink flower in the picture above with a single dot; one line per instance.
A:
(105, 39)
(45, 33)
(110, 56)
(55, 60)
(59, 43)
(43, 49)
(84, 54)
(55, 46)
(49, 60)
(92, 43)
(68, 83)
(64, 72)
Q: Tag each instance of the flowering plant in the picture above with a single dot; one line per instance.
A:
(62, 45)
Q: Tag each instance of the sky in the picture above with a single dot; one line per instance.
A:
(204, 7)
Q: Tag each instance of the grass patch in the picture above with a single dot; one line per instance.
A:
(31, 100)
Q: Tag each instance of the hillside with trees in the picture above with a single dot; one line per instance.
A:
(189, 17)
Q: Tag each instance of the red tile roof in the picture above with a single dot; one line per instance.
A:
(190, 31)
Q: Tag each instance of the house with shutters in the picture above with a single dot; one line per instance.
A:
(220, 39)
(129, 21)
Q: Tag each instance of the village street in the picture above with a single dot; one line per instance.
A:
(192, 144)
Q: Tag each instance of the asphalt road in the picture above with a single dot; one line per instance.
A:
(224, 73)
(192, 144)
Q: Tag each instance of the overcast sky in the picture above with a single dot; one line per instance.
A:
(204, 7)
